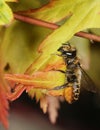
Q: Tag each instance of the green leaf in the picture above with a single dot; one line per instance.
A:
(95, 31)
(54, 11)
(58, 10)
(19, 45)
(85, 14)
(5, 13)
(11, 0)
(22, 5)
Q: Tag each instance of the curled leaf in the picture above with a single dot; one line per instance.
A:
(40, 80)
(44, 80)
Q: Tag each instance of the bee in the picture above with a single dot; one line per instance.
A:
(73, 74)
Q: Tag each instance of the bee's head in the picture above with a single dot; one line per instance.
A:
(67, 51)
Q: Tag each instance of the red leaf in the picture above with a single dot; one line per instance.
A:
(3, 104)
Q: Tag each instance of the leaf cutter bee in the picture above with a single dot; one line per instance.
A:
(73, 74)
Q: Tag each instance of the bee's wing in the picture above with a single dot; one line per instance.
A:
(87, 82)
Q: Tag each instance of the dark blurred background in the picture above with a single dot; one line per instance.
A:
(25, 114)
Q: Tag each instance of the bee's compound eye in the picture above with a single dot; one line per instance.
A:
(70, 54)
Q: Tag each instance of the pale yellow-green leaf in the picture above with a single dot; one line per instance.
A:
(54, 11)
(11, 0)
(23, 5)
(19, 45)
(58, 10)
(5, 14)
(85, 14)
(95, 31)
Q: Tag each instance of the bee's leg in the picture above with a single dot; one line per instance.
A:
(62, 71)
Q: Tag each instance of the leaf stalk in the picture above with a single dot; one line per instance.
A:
(54, 26)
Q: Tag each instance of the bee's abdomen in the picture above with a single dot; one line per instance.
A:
(76, 91)
(73, 75)
(71, 93)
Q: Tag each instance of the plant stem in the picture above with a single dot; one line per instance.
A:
(35, 21)
(88, 36)
(54, 26)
